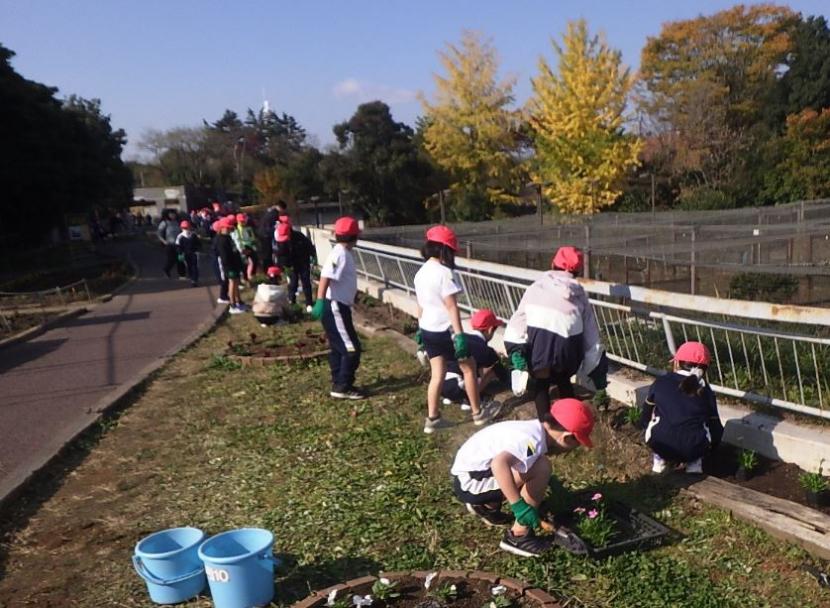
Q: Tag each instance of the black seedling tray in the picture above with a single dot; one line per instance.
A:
(634, 529)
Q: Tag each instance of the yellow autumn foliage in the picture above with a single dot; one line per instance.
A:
(576, 116)
(470, 131)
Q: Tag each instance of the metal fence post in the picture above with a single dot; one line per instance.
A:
(692, 264)
(586, 267)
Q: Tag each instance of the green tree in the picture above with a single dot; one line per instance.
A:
(470, 130)
(576, 116)
(379, 164)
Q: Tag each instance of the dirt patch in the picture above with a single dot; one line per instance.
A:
(779, 479)
(471, 593)
(385, 315)
(279, 345)
(14, 323)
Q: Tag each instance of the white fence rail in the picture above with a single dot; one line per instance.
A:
(765, 353)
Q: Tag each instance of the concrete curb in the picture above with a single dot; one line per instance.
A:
(52, 450)
(33, 332)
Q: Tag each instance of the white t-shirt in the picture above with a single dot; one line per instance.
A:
(340, 268)
(525, 439)
(433, 283)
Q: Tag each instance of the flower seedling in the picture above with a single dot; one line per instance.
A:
(384, 589)
(332, 601)
(593, 523)
(747, 460)
(814, 482)
(601, 399)
(500, 599)
(632, 416)
(446, 593)
(361, 601)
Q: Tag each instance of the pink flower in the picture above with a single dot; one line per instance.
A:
(596, 497)
(592, 513)
(579, 510)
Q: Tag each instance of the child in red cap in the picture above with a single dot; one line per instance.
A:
(188, 246)
(488, 365)
(440, 333)
(335, 297)
(270, 303)
(506, 461)
(554, 332)
(230, 263)
(681, 413)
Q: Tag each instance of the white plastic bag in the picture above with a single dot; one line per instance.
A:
(423, 359)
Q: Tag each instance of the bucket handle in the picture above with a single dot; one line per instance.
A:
(269, 557)
(142, 571)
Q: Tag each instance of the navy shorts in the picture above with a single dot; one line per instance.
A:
(438, 344)
(477, 488)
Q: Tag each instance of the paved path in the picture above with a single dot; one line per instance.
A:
(54, 385)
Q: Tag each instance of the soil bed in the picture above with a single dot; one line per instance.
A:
(472, 593)
(385, 315)
(308, 343)
(16, 322)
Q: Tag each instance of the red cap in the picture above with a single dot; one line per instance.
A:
(230, 220)
(273, 271)
(346, 226)
(695, 353)
(241, 217)
(485, 319)
(216, 226)
(443, 235)
(283, 232)
(568, 258)
(184, 224)
(575, 417)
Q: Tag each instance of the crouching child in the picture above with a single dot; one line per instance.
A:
(507, 461)
(271, 299)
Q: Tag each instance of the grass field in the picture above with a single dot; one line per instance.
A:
(348, 489)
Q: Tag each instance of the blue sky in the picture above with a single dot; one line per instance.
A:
(164, 63)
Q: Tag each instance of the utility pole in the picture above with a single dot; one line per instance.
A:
(441, 203)
(539, 205)
(652, 194)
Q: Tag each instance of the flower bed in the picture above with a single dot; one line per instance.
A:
(422, 589)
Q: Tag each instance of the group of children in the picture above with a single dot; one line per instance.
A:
(552, 335)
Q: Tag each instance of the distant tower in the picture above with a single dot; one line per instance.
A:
(266, 108)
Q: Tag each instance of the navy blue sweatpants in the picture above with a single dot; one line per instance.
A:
(344, 358)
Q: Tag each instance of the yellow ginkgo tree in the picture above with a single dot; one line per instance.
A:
(576, 118)
(470, 130)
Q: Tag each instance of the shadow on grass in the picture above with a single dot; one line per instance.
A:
(385, 386)
(295, 581)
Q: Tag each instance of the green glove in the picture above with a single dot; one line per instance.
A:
(462, 351)
(526, 515)
(317, 311)
(419, 340)
(519, 362)
(180, 257)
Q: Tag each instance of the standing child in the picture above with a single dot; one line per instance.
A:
(440, 330)
(488, 367)
(335, 297)
(223, 298)
(244, 238)
(554, 331)
(301, 254)
(681, 412)
(188, 245)
(271, 299)
(506, 461)
(230, 264)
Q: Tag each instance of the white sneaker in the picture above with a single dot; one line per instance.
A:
(222, 301)
(658, 465)
(446, 402)
(439, 424)
(695, 467)
(309, 308)
(488, 412)
(236, 310)
(465, 407)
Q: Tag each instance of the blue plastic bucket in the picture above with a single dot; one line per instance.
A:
(240, 567)
(169, 563)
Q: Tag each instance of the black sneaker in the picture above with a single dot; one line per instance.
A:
(349, 393)
(528, 545)
(492, 517)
